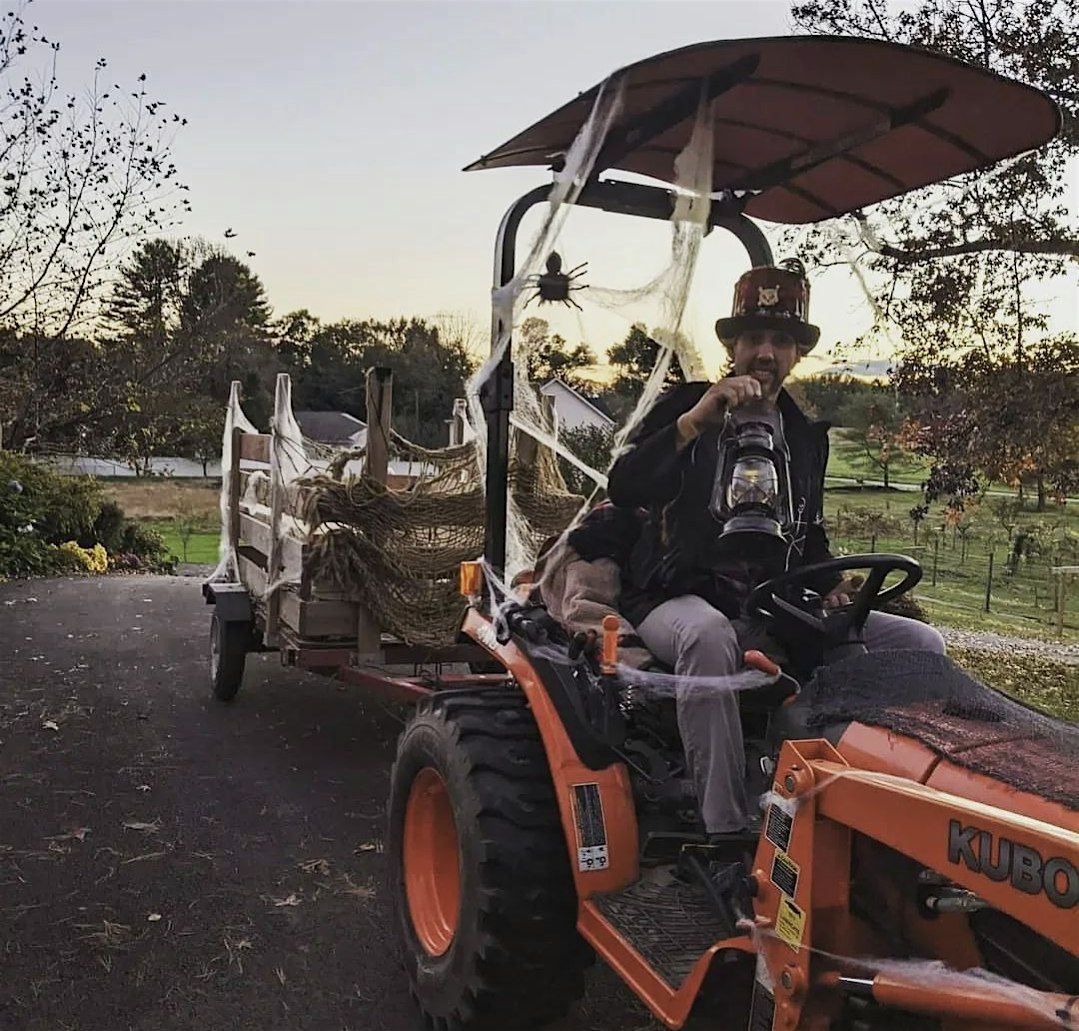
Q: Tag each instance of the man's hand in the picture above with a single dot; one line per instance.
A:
(712, 407)
(843, 593)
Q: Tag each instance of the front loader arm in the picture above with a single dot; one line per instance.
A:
(807, 937)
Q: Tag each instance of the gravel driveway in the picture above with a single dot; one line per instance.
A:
(167, 862)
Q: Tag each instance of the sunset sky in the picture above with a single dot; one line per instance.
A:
(329, 137)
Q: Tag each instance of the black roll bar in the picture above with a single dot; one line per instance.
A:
(496, 392)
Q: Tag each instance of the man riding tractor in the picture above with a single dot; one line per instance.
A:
(682, 590)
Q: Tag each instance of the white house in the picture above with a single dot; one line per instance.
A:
(572, 410)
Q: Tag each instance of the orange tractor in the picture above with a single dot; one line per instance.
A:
(918, 865)
(918, 862)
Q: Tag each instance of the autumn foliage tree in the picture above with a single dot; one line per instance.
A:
(954, 268)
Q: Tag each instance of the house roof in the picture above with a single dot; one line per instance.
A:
(329, 427)
(592, 402)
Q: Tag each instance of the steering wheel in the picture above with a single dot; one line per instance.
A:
(766, 601)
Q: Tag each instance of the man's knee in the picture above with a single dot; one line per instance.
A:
(927, 638)
(887, 632)
(706, 641)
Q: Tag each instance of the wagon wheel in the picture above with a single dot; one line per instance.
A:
(480, 881)
(228, 651)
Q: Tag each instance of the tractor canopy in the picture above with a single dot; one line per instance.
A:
(805, 127)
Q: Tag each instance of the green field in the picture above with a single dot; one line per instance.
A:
(847, 460)
(201, 546)
(1022, 597)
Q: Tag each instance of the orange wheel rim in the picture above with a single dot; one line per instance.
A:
(432, 871)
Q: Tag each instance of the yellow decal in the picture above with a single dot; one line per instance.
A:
(790, 923)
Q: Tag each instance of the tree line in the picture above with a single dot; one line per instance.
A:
(117, 337)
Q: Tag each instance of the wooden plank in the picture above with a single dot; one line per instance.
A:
(256, 532)
(316, 617)
(234, 490)
(254, 447)
(275, 562)
(252, 575)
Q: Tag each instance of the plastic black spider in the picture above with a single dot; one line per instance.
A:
(556, 285)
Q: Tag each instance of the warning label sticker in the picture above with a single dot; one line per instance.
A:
(592, 851)
(780, 825)
(790, 923)
(762, 1012)
(785, 873)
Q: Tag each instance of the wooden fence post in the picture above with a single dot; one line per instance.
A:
(1062, 575)
(936, 554)
(989, 583)
(379, 384)
(379, 410)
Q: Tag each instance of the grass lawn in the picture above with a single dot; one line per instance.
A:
(201, 545)
(1022, 601)
(848, 460)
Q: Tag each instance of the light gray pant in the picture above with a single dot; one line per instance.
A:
(695, 639)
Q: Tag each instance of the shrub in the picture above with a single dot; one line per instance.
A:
(108, 528)
(58, 524)
(90, 560)
(60, 508)
(147, 547)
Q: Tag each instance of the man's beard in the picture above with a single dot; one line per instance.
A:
(769, 373)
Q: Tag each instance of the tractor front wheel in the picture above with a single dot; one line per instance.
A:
(479, 871)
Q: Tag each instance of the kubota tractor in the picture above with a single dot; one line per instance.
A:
(918, 862)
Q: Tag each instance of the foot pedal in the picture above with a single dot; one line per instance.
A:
(666, 846)
(723, 880)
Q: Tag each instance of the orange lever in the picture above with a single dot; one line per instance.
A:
(609, 656)
(758, 660)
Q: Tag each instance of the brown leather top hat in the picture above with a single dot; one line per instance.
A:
(771, 297)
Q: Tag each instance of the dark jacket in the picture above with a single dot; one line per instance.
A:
(674, 554)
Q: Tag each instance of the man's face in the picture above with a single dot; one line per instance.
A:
(768, 355)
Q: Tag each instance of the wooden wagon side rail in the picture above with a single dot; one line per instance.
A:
(269, 539)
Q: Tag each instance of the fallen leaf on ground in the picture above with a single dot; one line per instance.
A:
(369, 846)
(50, 725)
(280, 975)
(153, 917)
(321, 866)
(140, 825)
(75, 834)
(359, 891)
(288, 900)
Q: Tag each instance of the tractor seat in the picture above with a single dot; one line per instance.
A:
(926, 696)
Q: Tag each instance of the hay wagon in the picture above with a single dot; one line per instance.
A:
(362, 594)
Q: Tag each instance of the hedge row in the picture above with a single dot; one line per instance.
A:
(53, 524)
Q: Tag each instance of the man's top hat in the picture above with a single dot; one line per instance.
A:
(771, 297)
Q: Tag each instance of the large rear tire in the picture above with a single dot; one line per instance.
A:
(480, 879)
(228, 654)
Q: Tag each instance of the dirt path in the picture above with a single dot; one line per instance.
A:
(167, 862)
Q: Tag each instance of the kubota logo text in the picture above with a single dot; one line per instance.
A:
(1004, 860)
